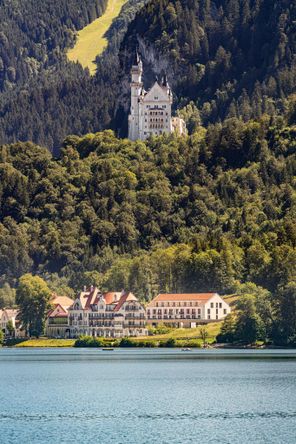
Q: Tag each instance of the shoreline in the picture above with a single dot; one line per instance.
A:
(70, 343)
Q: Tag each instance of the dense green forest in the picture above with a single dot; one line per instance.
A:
(209, 212)
(40, 90)
(33, 37)
(233, 58)
(214, 211)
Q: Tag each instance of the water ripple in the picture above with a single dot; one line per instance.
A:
(149, 416)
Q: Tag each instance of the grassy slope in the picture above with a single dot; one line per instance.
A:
(181, 335)
(91, 41)
(187, 335)
(44, 342)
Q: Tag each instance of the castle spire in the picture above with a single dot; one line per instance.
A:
(137, 58)
(165, 80)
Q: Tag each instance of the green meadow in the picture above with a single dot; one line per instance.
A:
(91, 40)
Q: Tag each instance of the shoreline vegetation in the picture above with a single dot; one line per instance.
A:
(91, 40)
(177, 337)
(174, 338)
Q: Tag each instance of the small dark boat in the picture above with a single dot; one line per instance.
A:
(108, 349)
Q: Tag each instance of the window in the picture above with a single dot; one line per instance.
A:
(212, 304)
(225, 311)
(220, 304)
(209, 311)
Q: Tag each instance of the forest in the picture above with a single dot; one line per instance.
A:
(233, 58)
(211, 212)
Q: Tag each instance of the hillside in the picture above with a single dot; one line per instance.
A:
(229, 58)
(91, 40)
(169, 214)
(41, 89)
(232, 58)
(34, 35)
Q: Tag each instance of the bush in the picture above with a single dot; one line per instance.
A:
(169, 343)
(188, 343)
(147, 344)
(88, 341)
(14, 341)
(126, 342)
(161, 329)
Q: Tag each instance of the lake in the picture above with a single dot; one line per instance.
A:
(147, 396)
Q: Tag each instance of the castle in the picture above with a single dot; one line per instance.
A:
(150, 112)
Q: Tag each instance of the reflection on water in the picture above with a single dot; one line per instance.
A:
(147, 396)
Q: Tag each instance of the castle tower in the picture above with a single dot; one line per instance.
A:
(151, 111)
(136, 88)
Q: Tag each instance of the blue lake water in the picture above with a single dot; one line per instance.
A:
(147, 396)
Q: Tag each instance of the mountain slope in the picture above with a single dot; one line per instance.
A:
(34, 35)
(233, 58)
(172, 213)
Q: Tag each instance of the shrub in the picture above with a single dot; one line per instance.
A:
(148, 344)
(126, 342)
(88, 341)
(161, 329)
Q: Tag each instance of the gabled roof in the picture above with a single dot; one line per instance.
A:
(182, 297)
(10, 312)
(57, 312)
(64, 301)
(87, 297)
(124, 298)
(112, 297)
(157, 90)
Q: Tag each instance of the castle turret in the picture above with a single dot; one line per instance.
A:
(136, 88)
(151, 111)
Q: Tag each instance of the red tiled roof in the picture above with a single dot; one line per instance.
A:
(58, 310)
(168, 297)
(112, 296)
(125, 297)
(64, 301)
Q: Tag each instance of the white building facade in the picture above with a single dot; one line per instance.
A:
(187, 310)
(151, 111)
(113, 314)
(11, 316)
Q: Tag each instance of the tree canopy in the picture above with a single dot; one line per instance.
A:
(33, 297)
